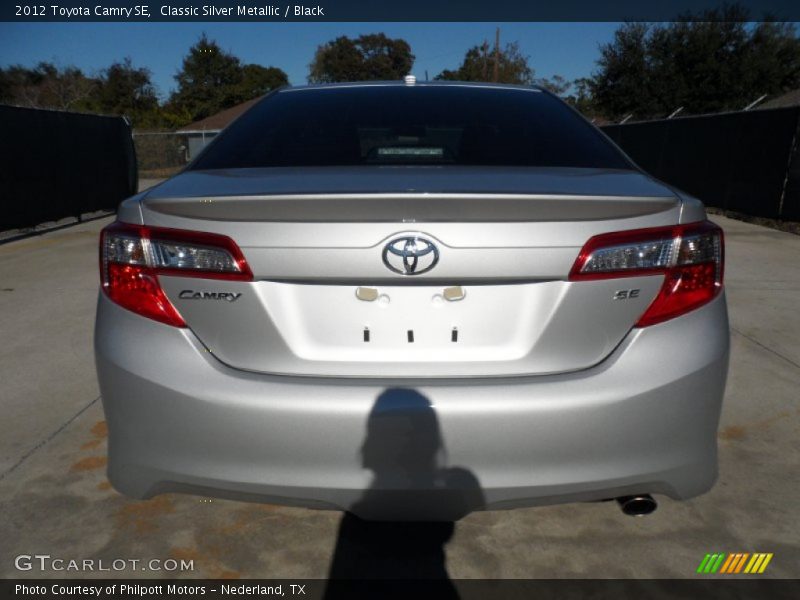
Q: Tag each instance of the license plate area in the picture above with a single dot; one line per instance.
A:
(409, 323)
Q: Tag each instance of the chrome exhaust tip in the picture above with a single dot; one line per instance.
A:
(637, 506)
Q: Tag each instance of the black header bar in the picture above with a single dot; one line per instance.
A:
(705, 587)
(379, 10)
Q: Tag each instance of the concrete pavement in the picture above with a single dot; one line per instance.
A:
(55, 499)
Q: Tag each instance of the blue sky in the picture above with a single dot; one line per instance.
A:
(567, 49)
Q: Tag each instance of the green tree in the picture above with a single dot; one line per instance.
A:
(123, 89)
(208, 81)
(710, 62)
(581, 98)
(171, 117)
(478, 65)
(7, 84)
(698, 64)
(211, 80)
(47, 86)
(366, 58)
(622, 85)
(772, 62)
(556, 84)
(258, 80)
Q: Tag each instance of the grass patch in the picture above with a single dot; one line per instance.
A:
(162, 173)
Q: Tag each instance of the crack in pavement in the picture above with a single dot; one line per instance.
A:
(767, 348)
(43, 442)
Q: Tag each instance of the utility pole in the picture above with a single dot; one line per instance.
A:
(496, 74)
(485, 49)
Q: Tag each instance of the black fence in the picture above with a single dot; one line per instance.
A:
(56, 164)
(744, 161)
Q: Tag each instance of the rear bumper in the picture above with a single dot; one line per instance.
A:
(642, 421)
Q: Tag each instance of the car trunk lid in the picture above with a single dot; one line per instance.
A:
(496, 303)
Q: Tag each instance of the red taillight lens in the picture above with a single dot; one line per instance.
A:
(691, 258)
(133, 256)
(137, 289)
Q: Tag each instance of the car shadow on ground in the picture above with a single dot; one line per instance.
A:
(404, 449)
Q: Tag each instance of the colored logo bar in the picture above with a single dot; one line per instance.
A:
(735, 563)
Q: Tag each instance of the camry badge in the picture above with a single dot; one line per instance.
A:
(193, 295)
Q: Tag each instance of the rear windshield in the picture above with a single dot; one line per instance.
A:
(410, 125)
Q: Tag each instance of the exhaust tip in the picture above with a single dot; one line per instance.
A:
(637, 506)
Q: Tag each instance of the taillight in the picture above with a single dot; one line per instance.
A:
(690, 257)
(133, 256)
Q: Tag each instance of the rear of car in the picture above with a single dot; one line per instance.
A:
(410, 302)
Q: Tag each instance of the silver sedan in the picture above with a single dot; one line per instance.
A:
(412, 301)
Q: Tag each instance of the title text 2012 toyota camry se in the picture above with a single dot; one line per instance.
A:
(410, 301)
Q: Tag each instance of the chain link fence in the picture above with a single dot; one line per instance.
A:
(161, 154)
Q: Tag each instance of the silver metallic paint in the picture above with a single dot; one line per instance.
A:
(644, 419)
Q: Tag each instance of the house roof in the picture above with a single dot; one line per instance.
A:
(788, 99)
(220, 120)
